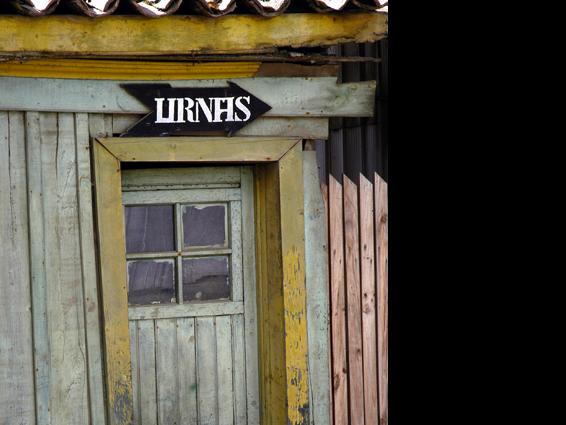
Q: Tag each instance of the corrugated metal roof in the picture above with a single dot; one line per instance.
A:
(157, 8)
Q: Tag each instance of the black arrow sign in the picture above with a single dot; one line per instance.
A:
(177, 111)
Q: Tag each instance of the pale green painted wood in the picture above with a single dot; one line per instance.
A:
(316, 259)
(171, 196)
(305, 128)
(235, 235)
(206, 371)
(34, 139)
(65, 311)
(250, 297)
(167, 365)
(147, 386)
(224, 365)
(186, 350)
(239, 373)
(134, 348)
(179, 178)
(288, 97)
(16, 357)
(185, 310)
(89, 273)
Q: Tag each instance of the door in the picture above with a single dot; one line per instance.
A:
(191, 295)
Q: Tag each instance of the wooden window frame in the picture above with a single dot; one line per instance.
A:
(280, 262)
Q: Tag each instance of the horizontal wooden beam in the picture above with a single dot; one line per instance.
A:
(304, 128)
(288, 97)
(96, 69)
(181, 35)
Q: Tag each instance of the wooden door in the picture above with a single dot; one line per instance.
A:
(191, 295)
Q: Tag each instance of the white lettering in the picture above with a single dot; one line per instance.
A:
(190, 113)
(205, 108)
(160, 117)
(243, 108)
(218, 110)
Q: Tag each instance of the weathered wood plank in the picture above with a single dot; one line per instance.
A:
(187, 371)
(224, 366)
(288, 97)
(338, 302)
(235, 229)
(170, 196)
(81, 35)
(126, 70)
(316, 258)
(134, 350)
(239, 371)
(201, 177)
(294, 285)
(353, 301)
(206, 371)
(148, 384)
(192, 149)
(166, 371)
(16, 354)
(110, 219)
(89, 272)
(185, 310)
(369, 324)
(250, 302)
(305, 128)
(381, 242)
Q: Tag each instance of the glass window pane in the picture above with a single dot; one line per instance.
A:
(151, 282)
(206, 279)
(149, 229)
(204, 225)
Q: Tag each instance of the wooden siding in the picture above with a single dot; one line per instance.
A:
(358, 287)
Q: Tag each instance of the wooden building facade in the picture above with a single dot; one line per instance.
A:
(169, 251)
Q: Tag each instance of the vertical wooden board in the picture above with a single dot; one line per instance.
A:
(206, 371)
(294, 288)
(167, 372)
(16, 354)
(224, 369)
(110, 220)
(381, 242)
(317, 292)
(89, 273)
(250, 306)
(134, 348)
(38, 271)
(338, 302)
(369, 325)
(187, 371)
(353, 301)
(240, 366)
(236, 244)
(69, 393)
(147, 382)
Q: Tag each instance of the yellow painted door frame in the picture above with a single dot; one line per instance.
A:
(280, 264)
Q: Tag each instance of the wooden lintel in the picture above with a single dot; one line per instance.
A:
(181, 35)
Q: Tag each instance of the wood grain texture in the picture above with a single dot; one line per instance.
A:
(112, 256)
(381, 227)
(89, 272)
(126, 70)
(294, 97)
(369, 313)
(305, 128)
(187, 373)
(251, 307)
(353, 302)
(167, 365)
(318, 319)
(207, 397)
(16, 355)
(148, 382)
(224, 370)
(80, 35)
(294, 287)
(194, 149)
(338, 302)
